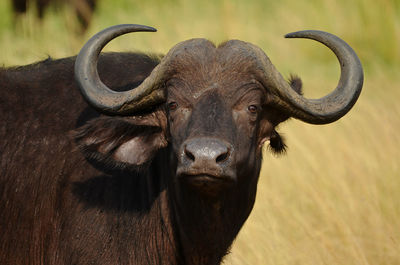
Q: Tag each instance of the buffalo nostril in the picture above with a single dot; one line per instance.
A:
(205, 151)
(222, 157)
(189, 154)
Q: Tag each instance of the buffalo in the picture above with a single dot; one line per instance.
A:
(128, 158)
(83, 8)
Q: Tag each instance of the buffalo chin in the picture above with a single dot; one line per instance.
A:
(205, 183)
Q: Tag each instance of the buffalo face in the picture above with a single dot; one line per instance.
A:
(217, 115)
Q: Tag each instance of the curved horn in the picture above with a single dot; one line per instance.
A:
(97, 93)
(334, 105)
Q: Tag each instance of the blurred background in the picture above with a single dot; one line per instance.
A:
(334, 197)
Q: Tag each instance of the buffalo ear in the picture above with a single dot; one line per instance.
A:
(296, 84)
(272, 117)
(122, 142)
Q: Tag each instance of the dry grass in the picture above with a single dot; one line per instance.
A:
(334, 198)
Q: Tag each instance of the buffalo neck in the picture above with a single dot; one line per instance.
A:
(206, 226)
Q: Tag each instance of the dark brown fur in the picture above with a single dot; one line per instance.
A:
(71, 194)
(56, 207)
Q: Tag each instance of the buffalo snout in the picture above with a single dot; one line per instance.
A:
(206, 160)
(206, 151)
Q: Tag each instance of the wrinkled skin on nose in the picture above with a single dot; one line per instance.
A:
(205, 155)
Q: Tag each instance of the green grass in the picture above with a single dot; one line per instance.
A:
(334, 198)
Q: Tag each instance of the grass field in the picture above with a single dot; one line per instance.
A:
(334, 198)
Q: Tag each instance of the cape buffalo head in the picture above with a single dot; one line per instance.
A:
(212, 107)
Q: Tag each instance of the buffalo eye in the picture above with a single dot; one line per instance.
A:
(172, 105)
(252, 109)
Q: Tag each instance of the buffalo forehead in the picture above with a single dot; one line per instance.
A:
(201, 66)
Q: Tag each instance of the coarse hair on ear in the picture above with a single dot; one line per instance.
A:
(296, 84)
(122, 142)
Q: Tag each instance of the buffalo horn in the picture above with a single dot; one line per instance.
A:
(98, 94)
(332, 106)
